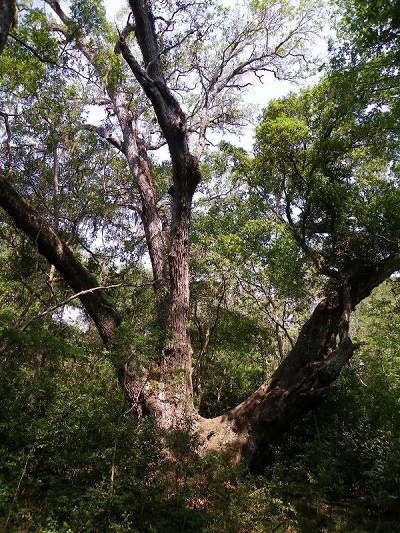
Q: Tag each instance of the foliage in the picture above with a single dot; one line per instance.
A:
(336, 470)
(372, 27)
(368, 49)
(324, 162)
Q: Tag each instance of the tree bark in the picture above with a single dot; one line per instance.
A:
(8, 17)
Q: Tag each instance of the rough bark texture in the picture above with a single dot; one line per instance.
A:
(171, 400)
(8, 17)
(303, 378)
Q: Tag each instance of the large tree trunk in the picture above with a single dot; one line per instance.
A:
(176, 402)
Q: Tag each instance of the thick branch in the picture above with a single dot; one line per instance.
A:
(318, 336)
(57, 253)
(303, 378)
(170, 116)
(146, 38)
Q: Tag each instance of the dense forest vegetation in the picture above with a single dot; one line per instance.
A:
(193, 336)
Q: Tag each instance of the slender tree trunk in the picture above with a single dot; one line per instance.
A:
(139, 166)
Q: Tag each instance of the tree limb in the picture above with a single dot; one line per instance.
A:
(106, 135)
(57, 253)
(32, 50)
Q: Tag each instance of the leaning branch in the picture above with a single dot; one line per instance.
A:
(51, 247)
(304, 377)
(34, 52)
(74, 297)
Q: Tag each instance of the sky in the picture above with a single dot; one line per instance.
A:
(112, 8)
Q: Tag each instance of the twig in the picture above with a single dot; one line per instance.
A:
(17, 489)
(73, 297)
